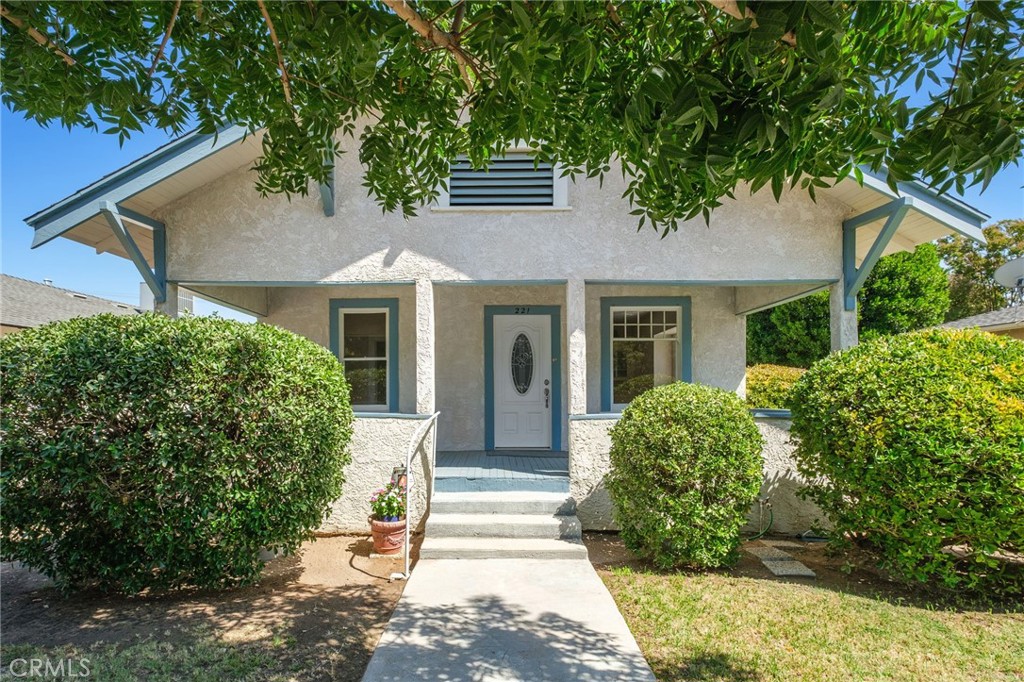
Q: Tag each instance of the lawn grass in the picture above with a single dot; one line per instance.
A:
(720, 627)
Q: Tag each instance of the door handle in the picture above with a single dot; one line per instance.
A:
(547, 393)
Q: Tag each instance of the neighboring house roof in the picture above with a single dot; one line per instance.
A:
(29, 304)
(196, 159)
(1007, 318)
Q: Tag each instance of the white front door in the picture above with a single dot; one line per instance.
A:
(522, 381)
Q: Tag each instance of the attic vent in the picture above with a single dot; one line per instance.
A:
(82, 296)
(513, 180)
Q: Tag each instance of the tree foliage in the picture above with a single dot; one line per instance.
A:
(972, 288)
(904, 292)
(695, 99)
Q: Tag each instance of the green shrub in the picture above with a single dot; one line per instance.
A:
(685, 468)
(149, 452)
(768, 385)
(920, 438)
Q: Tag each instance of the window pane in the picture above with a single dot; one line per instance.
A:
(369, 381)
(365, 335)
(638, 366)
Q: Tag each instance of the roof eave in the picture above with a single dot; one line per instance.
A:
(171, 158)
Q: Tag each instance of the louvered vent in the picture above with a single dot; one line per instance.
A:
(513, 180)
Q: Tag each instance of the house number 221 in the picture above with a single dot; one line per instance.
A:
(520, 310)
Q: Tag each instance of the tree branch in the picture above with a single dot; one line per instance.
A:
(613, 13)
(167, 36)
(440, 38)
(959, 57)
(731, 8)
(40, 38)
(280, 57)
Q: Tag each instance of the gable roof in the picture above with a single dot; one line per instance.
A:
(24, 303)
(196, 159)
(1007, 318)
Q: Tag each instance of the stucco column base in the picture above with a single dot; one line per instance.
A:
(842, 322)
(170, 305)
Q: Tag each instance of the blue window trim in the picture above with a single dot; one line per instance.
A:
(556, 368)
(684, 358)
(391, 304)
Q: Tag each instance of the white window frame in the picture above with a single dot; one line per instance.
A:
(360, 407)
(559, 193)
(618, 407)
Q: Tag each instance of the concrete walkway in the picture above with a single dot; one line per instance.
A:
(507, 619)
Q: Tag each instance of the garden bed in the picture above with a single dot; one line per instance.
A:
(317, 616)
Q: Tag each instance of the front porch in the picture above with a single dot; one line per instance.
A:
(502, 470)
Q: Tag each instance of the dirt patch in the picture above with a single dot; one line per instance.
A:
(319, 613)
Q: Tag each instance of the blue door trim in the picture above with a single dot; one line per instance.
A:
(391, 304)
(684, 358)
(556, 367)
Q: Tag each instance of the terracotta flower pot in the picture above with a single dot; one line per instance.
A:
(388, 536)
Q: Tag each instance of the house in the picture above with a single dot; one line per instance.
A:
(1008, 321)
(25, 304)
(524, 307)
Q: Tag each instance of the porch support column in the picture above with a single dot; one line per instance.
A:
(842, 322)
(576, 334)
(425, 347)
(168, 306)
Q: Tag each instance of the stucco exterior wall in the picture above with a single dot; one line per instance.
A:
(459, 330)
(226, 231)
(306, 311)
(378, 445)
(719, 337)
(590, 443)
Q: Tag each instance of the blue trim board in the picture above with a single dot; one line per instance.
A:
(498, 282)
(853, 276)
(327, 194)
(391, 415)
(684, 358)
(293, 283)
(556, 368)
(172, 158)
(707, 282)
(763, 413)
(391, 304)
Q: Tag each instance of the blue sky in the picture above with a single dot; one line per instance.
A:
(39, 166)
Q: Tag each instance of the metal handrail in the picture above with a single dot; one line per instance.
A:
(414, 445)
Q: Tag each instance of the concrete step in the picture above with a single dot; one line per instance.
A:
(501, 548)
(502, 502)
(503, 526)
(461, 484)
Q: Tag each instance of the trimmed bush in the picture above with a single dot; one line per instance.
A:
(685, 468)
(768, 385)
(144, 452)
(917, 444)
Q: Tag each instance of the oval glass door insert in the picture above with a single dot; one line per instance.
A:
(522, 364)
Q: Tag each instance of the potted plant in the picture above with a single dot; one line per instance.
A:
(387, 519)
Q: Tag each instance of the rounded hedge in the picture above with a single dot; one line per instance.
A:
(685, 469)
(916, 442)
(768, 386)
(144, 452)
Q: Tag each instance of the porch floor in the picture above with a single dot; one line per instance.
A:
(503, 464)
